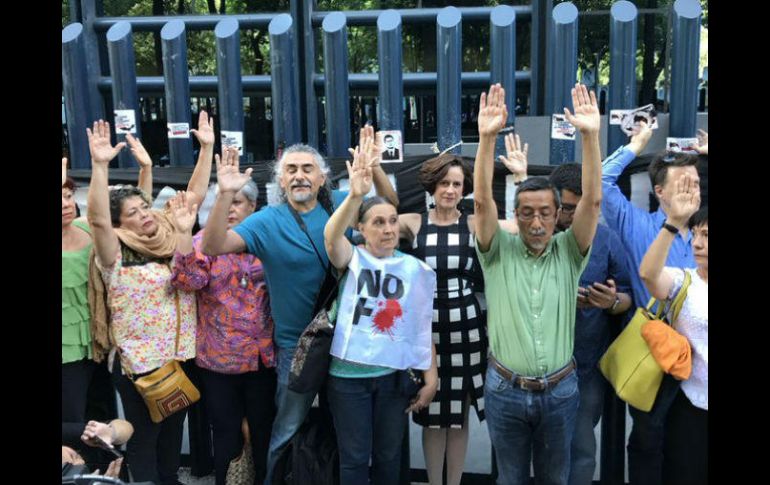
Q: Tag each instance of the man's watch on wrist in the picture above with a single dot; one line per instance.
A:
(615, 305)
(670, 228)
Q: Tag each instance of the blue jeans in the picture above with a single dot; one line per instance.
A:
(292, 408)
(369, 419)
(522, 423)
(583, 451)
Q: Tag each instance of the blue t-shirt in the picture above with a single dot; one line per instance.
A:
(292, 270)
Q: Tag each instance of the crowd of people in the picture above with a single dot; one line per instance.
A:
(230, 302)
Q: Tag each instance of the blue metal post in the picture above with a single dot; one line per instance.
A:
(230, 87)
(448, 69)
(335, 35)
(89, 14)
(541, 12)
(76, 100)
(562, 72)
(623, 25)
(177, 90)
(302, 12)
(123, 73)
(684, 68)
(391, 86)
(287, 127)
(502, 28)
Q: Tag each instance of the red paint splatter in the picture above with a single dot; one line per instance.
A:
(385, 319)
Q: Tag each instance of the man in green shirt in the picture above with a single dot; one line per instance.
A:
(531, 282)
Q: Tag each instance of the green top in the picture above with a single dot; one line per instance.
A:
(346, 368)
(75, 315)
(531, 301)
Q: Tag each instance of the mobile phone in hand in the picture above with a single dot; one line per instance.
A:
(103, 445)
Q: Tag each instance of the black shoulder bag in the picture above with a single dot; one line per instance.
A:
(310, 364)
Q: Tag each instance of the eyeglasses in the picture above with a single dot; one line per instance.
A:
(528, 216)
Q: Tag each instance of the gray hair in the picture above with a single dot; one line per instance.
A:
(250, 191)
(299, 148)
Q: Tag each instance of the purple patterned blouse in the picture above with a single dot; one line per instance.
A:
(235, 328)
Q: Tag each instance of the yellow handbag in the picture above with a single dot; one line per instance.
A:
(628, 364)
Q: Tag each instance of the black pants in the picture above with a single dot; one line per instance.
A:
(75, 379)
(230, 398)
(645, 444)
(685, 447)
(154, 451)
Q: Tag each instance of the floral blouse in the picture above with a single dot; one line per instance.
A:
(143, 309)
(235, 329)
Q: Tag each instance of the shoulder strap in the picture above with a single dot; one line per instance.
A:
(302, 226)
(676, 305)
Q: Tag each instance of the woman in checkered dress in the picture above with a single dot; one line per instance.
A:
(444, 239)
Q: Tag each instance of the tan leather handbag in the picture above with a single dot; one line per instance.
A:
(167, 389)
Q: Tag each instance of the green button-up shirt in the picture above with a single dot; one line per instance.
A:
(531, 301)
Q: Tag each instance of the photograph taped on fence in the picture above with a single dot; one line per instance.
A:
(392, 149)
(125, 121)
(686, 145)
(178, 130)
(233, 139)
(561, 129)
(629, 119)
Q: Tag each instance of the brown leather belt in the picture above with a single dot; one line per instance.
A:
(531, 383)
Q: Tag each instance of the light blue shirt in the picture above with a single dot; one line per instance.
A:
(637, 228)
(293, 273)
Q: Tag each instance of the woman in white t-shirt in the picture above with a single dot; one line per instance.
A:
(383, 328)
(686, 431)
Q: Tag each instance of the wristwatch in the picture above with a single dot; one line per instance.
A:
(670, 228)
(615, 305)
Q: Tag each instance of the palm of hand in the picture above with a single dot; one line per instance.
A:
(185, 218)
(102, 151)
(230, 179)
(586, 117)
(205, 134)
(683, 205)
(490, 120)
(516, 161)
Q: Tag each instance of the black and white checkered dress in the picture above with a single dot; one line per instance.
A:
(458, 324)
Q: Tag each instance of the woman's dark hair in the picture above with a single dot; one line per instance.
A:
(70, 184)
(369, 203)
(699, 218)
(435, 169)
(118, 196)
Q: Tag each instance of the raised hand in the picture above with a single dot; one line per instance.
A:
(516, 156)
(63, 171)
(182, 215)
(703, 143)
(375, 147)
(102, 151)
(205, 131)
(685, 202)
(360, 171)
(641, 138)
(586, 118)
(492, 111)
(229, 177)
(138, 151)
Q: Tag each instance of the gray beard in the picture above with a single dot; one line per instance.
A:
(301, 198)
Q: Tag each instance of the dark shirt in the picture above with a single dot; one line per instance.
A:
(608, 260)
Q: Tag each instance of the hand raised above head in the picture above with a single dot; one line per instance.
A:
(63, 171)
(205, 131)
(138, 151)
(703, 143)
(685, 202)
(493, 113)
(102, 151)
(586, 118)
(229, 177)
(516, 155)
(182, 215)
